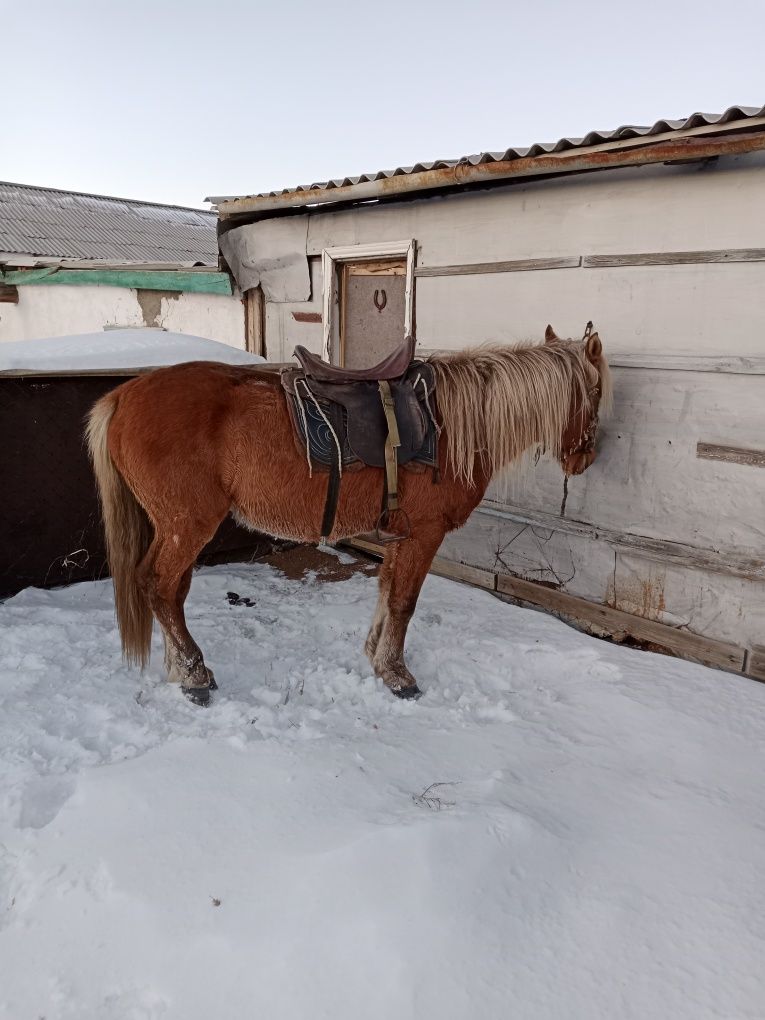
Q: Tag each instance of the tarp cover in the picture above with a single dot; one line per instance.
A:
(116, 349)
(270, 254)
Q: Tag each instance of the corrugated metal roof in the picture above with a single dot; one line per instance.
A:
(592, 138)
(46, 223)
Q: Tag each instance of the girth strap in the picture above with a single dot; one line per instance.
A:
(330, 504)
(392, 443)
(335, 416)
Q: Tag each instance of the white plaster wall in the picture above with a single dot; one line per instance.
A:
(713, 604)
(213, 316)
(45, 311)
(707, 309)
(284, 331)
(700, 309)
(653, 208)
(648, 481)
(64, 311)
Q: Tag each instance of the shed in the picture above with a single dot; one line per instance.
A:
(71, 263)
(50, 528)
(654, 232)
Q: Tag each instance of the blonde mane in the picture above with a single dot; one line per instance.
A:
(498, 402)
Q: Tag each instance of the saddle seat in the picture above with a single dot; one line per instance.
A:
(392, 367)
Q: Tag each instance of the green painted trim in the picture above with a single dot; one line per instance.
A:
(138, 279)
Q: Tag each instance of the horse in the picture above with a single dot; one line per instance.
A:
(176, 450)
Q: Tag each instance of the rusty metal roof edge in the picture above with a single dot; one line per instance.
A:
(422, 175)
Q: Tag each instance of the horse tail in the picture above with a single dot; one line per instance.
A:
(128, 536)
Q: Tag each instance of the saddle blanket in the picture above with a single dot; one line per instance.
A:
(354, 418)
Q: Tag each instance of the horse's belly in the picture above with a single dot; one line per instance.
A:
(295, 523)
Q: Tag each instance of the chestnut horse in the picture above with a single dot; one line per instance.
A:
(177, 449)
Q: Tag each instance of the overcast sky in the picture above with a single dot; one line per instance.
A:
(174, 101)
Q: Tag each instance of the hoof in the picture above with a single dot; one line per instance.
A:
(198, 695)
(410, 693)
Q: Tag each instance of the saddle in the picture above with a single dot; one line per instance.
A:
(381, 416)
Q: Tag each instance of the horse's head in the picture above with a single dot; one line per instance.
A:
(577, 445)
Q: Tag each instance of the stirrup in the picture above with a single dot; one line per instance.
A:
(391, 537)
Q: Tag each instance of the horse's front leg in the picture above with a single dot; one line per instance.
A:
(381, 610)
(404, 570)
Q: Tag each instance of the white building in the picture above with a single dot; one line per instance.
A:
(655, 233)
(73, 263)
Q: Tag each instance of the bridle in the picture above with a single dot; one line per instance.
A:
(585, 443)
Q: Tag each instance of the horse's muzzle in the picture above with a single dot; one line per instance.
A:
(578, 462)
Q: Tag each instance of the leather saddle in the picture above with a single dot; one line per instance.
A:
(346, 418)
(392, 367)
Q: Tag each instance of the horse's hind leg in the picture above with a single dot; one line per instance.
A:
(171, 654)
(402, 577)
(166, 577)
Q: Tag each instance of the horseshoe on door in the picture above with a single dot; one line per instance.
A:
(380, 299)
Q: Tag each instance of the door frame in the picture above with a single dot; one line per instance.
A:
(332, 260)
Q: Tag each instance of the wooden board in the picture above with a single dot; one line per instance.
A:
(254, 321)
(513, 266)
(675, 258)
(623, 626)
(378, 267)
(667, 258)
(731, 454)
(210, 282)
(464, 572)
(755, 666)
(722, 364)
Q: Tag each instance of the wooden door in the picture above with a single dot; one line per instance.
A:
(372, 310)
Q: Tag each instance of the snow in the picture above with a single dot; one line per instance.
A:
(117, 349)
(595, 851)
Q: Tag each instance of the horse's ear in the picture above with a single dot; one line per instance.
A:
(550, 335)
(593, 348)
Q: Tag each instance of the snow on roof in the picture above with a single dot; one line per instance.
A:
(117, 349)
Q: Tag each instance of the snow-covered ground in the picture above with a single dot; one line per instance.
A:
(595, 848)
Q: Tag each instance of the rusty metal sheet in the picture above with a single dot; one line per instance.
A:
(597, 149)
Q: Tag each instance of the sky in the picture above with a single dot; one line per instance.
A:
(176, 101)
